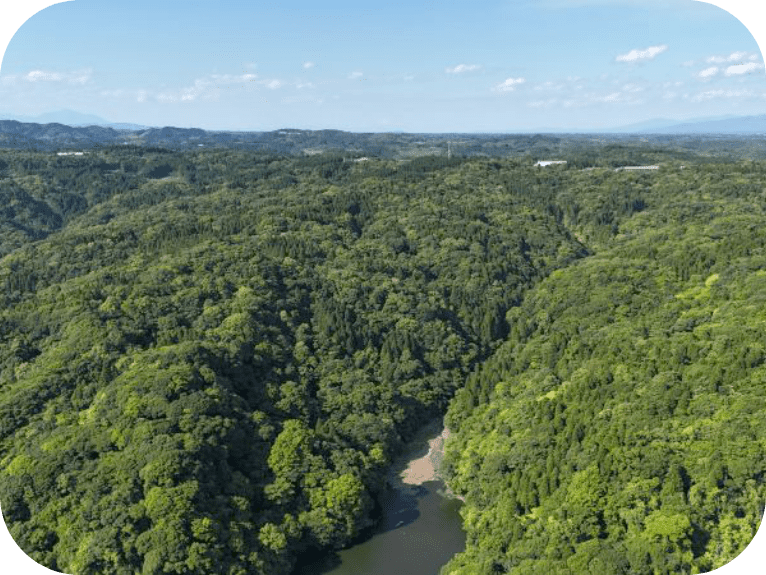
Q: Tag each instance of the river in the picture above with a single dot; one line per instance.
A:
(421, 528)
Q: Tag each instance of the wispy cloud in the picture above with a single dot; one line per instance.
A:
(307, 65)
(462, 68)
(509, 85)
(711, 94)
(77, 77)
(708, 72)
(209, 87)
(355, 75)
(641, 55)
(733, 57)
(740, 69)
(229, 78)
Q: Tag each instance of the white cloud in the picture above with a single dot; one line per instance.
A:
(206, 88)
(733, 57)
(688, 63)
(355, 75)
(210, 87)
(42, 76)
(509, 85)
(632, 88)
(307, 65)
(462, 68)
(227, 79)
(743, 68)
(710, 94)
(76, 77)
(708, 72)
(301, 85)
(639, 55)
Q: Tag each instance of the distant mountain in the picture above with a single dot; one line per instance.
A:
(659, 125)
(737, 125)
(70, 118)
(73, 119)
(67, 117)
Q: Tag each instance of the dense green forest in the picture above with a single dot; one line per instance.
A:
(208, 358)
(621, 426)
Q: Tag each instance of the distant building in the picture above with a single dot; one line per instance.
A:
(549, 162)
(637, 168)
(71, 153)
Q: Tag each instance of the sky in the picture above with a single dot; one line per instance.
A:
(414, 66)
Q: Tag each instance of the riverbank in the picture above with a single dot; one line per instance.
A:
(421, 462)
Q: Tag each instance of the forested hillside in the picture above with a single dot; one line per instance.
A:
(208, 358)
(206, 367)
(621, 427)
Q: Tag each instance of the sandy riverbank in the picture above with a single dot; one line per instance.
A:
(421, 461)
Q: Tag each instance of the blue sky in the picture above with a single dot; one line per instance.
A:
(415, 66)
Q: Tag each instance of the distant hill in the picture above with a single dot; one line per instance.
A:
(55, 136)
(73, 119)
(14, 134)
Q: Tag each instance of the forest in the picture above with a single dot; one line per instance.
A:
(209, 357)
